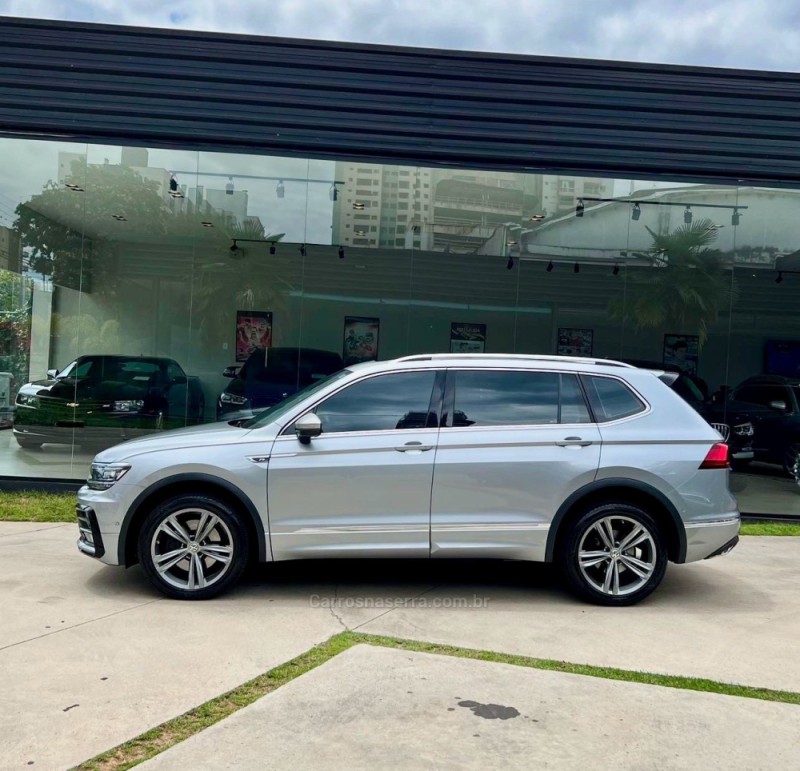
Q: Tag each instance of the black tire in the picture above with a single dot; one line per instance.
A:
(584, 536)
(791, 460)
(224, 536)
(28, 444)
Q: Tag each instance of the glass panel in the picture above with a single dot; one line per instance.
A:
(611, 399)
(382, 403)
(505, 398)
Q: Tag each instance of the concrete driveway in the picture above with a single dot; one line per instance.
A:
(91, 656)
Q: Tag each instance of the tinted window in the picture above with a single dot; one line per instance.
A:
(485, 398)
(382, 403)
(611, 399)
(288, 365)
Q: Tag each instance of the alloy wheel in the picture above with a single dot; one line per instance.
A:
(192, 549)
(617, 555)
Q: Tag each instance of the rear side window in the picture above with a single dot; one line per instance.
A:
(611, 399)
(508, 398)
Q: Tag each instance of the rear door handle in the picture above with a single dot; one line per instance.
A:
(574, 441)
(414, 447)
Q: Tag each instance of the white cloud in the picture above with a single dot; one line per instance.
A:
(723, 33)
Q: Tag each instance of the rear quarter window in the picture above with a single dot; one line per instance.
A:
(611, 399)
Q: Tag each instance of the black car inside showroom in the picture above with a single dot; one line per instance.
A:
(195, 226)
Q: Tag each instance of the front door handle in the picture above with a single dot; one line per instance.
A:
(574, 441)
(414, 447)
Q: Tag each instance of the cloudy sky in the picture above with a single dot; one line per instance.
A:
(722, 33)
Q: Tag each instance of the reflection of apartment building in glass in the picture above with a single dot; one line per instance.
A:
(439, 209)
(559, 194)
(387, 206)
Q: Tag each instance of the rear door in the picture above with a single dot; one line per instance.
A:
(514, 445)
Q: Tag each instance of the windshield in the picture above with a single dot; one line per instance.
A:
(272, 413)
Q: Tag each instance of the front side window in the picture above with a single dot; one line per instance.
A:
(398, 400)
(506, 398)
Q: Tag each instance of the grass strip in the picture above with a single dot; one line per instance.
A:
(770, 528)
(37, 507)
(173, 731)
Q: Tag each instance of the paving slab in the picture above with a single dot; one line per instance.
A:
(734, 618)
(378, 708)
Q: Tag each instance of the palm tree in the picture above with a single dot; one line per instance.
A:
(687, 286)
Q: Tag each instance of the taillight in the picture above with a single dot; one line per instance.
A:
(717, 457)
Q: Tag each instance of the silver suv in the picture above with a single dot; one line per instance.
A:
(592, 464)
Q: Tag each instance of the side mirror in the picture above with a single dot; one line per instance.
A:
(230, 371)
(308, 427)
(778, 405)
(52, 374)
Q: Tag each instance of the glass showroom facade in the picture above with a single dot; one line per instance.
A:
(142, 289)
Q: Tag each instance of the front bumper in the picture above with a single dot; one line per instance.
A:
(711, 538)
(90, 540)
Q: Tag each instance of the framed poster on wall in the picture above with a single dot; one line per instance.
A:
(253, 331)
(682, 351)
(361, 335)
(575, 342)
(467, 338)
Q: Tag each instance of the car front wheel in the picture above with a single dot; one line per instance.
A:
(193, 547)
(614, 554)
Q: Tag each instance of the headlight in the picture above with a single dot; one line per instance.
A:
(227, 398)
(743, 429)
(131, 405)
(27, 400)
(104, 475)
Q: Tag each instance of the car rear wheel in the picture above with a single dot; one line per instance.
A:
(614, 554)
(193, 547)
(28, 444)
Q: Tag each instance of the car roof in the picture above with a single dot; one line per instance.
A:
(769, 380)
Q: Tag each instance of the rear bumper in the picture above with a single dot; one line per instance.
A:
(711, 539)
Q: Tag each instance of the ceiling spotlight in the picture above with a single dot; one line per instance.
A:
(576, 268)
(780, 278)
(229, 186)
(579, 208)
(536, 218)
(550, 267)
(615, 270)
(687, 215)
(636, 212)
(272, 248)
(358, 205)
(207, 224)
(341, 252)
(280, 190)
(334, 192)
(302, 250)
(735, 217)
(510, 263)
(234, 246)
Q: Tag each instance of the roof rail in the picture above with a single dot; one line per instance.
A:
(520, 356)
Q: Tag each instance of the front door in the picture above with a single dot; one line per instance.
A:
(363, 487)
(514, 446)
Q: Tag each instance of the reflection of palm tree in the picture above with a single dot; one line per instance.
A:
(686, 287)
